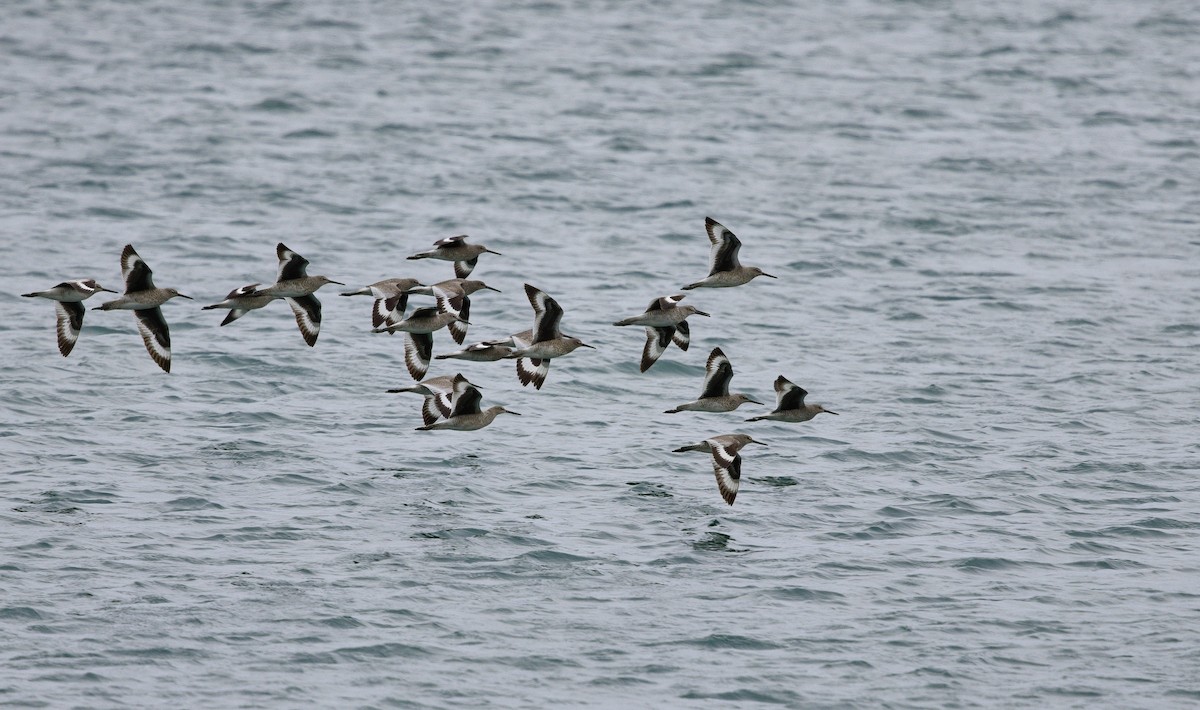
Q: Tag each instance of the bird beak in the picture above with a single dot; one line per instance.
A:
(702, 313)
(107, 289)
(755, 441)
(463, 320)
(493, 289)
(339, 283)
(828, 412)
(183, 296)
(754, 401)
(492, 252)
(509, 411)
(769, 276)
(585, 345)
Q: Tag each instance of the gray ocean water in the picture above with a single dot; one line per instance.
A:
(983, 217)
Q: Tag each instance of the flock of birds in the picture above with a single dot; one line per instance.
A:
(453, 402)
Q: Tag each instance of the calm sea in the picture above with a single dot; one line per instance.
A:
(983, 217)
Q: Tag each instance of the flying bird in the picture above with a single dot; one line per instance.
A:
(68, 297)
(144, 299)
(724, 269)
(727, 462)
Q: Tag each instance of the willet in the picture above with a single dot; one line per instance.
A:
(516, 341)
(727, 462)
(492, 350)
(479, 352)
(144, 300)
(665, 321)
(715, 396)
(533, 359)
(419, 328)
(391, 297)
(456, 288)
(68, 307)
(789, 404)
(437, 392)
(456, 249)
(724, 269)
(294, 285)
(466, 415)
(241, 301)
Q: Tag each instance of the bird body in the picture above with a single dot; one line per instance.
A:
(241, 301)
(293, 284)
(466, 414)
(437, 392)
(789, 404)
(546, 339)
(662, 312)
(479, 352)
(142, 297)
(68, 297)
(666, 322)
(715, 396)
(391, 298)
(725, 270)
(426, 320)
(452, 287)
(419, 328)
(727, 461)
(465, 256)
(459, 290)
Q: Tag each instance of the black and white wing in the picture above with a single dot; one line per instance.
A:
(725, 246)
(155, 335)
(532, 370)
(788, 395)
(388, 310)
(466, 397)
(657, 340)
(291, 264)
(665, 303)
(683, 335)
(718, 373)
(418, 348)
(547, 314)
(727, 467)
(307, 310)
(460, 305)
(463, 269)
(68, 325)
(138, 276)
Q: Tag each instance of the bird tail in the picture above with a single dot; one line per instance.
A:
(689, 287)
(693, 447)
(35, 294)
(755, 419)
(673, 411)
